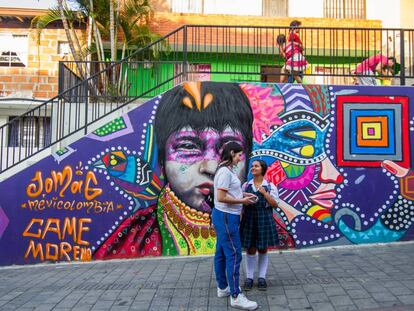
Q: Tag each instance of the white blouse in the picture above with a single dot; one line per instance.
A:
(273, 190)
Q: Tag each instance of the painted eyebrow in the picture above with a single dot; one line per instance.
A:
(226, 139)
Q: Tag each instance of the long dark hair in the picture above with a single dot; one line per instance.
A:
(281, 39)
(226, 155)
(229, 107)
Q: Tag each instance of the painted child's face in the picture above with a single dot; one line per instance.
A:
(192, 158)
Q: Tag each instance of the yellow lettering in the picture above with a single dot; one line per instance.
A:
(69, 226)
(48, 185)
(29, 226)
(48, 228)
(91, 193)
(62, 178)
(65, 248)
(81, 229)
(49, 255)
(86, 254)
(35, 250)
(76, 252)
(34, 189)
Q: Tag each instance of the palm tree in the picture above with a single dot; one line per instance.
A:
(105, 19)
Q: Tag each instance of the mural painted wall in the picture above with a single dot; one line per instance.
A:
(341, 157)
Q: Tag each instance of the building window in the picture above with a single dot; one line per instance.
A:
(275, 8)
(354, 9)
(240, 7)
(13, 50)
(29, 132)
(63, 48)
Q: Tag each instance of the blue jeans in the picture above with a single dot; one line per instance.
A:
(228, 250)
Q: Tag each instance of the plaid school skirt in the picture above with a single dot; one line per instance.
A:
(258, 228)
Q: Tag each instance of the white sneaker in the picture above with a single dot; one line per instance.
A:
(223, 292)
(241, 302)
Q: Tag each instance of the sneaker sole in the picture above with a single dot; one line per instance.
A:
(241, 308)
(262, 289)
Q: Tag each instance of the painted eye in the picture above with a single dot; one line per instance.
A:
(306, 151)
(113, 161)
(306, 134)
(187, 146)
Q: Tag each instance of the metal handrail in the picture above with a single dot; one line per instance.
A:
(80, 105)
(107, 89)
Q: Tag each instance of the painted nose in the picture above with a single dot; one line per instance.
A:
(329, 173)
(208, 167)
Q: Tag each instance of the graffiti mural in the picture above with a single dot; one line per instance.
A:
(141, 185)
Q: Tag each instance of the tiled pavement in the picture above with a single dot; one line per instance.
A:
(376, 277)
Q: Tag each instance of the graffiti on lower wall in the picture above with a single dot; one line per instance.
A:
(141, 184)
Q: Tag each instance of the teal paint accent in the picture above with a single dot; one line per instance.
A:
(375, 234)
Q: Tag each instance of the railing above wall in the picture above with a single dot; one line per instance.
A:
(83, 101)
(240, 53)
(208, 52)
(331, 52)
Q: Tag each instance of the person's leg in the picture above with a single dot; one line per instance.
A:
(367, 80)
(263, 263)
(250, 262)
(232, 250)
(298, 79)
(219, 256)
(283, 75)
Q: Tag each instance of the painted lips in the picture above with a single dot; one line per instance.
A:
(324, 199)
(205, 188)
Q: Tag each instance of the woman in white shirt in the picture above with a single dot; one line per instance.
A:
(228, 204)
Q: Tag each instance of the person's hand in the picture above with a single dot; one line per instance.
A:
(262, 190)
(249, 199)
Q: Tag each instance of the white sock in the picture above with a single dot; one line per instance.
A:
(263, 263)
(250, 265)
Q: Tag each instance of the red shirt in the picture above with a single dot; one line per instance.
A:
(293, 45)
(371, 63)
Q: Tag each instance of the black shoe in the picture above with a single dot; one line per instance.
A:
(261, 284)
(248, 284)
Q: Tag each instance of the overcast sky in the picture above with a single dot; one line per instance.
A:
(32, 4)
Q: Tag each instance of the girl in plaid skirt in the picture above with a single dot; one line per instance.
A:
(258, 229)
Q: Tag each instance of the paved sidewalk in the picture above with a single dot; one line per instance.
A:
(379, 277)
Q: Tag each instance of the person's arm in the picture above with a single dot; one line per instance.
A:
(271, 199)
(282, 51)
(224, 197)
(381, 69)
(223, 183)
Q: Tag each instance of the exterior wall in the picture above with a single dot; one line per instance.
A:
(164, 23)
(341, 157)
(407, 16)
(387, 11)
(40, 78)
(302, 8)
